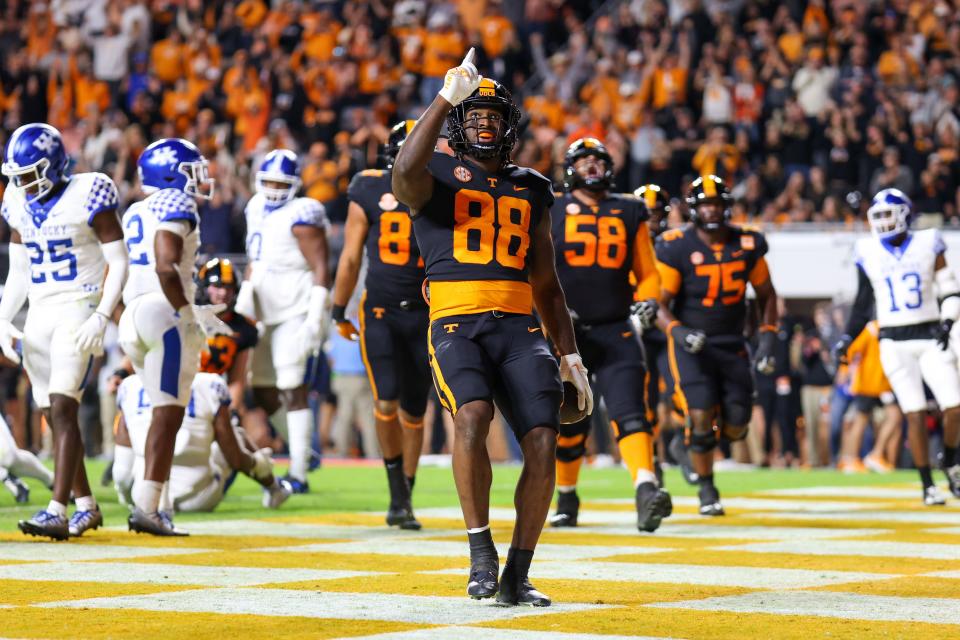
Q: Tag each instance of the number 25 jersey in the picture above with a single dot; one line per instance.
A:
(475, 233)
(902, 277)
(394, 268)
(66, 261)
(709, 282)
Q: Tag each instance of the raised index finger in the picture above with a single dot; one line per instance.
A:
(469, 58)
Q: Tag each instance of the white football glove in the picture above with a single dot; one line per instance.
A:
(461, 81)
(275, 495)
(313, 329)
(573, 371)
(206, 315)
(262, 465)
(244, 304)
(89, 335)
(9, 333)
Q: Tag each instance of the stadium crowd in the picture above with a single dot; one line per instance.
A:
(806, 108)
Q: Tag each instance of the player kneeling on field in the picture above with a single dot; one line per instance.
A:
(208, 452)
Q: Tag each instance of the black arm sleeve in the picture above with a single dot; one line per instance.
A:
(862, 311)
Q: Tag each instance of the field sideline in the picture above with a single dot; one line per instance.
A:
(800, 555)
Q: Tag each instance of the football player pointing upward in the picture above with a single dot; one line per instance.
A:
(69, 228)
(902, 274)
(483, 228)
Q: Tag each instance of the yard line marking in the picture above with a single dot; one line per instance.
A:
(50, 551)
(682, 530)
(461, 632)
(831, 604)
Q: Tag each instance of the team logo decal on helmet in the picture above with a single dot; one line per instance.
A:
(398, 135)
(175, 163)
(491, 95)
(709, 189)
(280, 166)
(890, 213)
(582, 148)
(35, 160)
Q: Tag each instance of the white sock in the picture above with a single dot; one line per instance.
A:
(279, 422)
(644, 476)
(300, 425)
(166, 502)
(27, 465)
(563, 488)
(86, 503)
(146, 495)
(57, 508)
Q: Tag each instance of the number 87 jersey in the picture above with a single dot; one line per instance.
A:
(903, 277)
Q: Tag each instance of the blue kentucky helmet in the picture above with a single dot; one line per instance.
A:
(174, 163)
(890, 213)
(280, 166)
(35, 160)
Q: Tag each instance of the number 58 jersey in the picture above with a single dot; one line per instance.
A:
(66, 261)
(902, 277)
(395, 268)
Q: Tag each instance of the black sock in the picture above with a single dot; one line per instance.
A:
(410, 481)
(518, 562)
(482, 550)
(925, 476)
(395, 479)
(949, 457)
(706, 481)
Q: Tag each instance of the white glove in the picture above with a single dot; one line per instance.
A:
(311, 332)
(573, 371)
(9, 333)
(262, 465)
(89, 335)
(206, 315)
(244, 304)
(461, 81)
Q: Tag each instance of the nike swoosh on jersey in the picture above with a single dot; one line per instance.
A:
(533, 329)
(626, 334)
(516, 188)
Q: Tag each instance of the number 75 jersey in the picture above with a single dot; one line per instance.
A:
(902, 277)
(66, 261)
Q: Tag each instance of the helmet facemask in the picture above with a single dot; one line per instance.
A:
(199, 183)
(274, 195)
(888, 220)
(31, 180)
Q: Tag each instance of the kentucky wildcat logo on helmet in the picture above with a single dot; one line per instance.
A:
(398, 135)
(279, 177)
(35, 160)
(484, 143)
(592, 179)
(175, 163)
(709, 190)
(890, 213)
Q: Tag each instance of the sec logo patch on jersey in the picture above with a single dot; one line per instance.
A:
(696, 258)
(573, 208)
(462, 174)
(388, 202)
(748, 242)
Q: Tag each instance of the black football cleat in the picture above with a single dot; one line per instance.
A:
(45, 525)
(678, 449)
(402, 516)
(568, 508)
(483, 582)
(157, 523)
(653, 505)
(517, 590)
(953, 477)
(710, 501)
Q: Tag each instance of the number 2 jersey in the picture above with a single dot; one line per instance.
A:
(709, 282)
(902, 277)
(475, 236)
(394, 267)
(597, 248)
(141, 221)
(280, 274)
(66, 261)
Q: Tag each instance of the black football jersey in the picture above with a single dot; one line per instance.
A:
(223, 349)
(394, 266)
(478, 225)
(596, 251)
(711, 281)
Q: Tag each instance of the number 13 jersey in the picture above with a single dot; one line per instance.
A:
(475, 236)
(902, 277)
(394, 268)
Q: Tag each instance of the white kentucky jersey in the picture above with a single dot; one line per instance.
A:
(192, 449)
(140, 224)
(903, 277)
(66, 261)
(280, 275)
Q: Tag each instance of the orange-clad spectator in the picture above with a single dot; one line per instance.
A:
(666, 82)
(41, 34)
(496, 30)
(276, 21)
(90, 95)
(251, 13)
(374, 74)
(168, 58)
(791, 43)
(896, 65)
(320, 35)
(587, 126)
(443, 48)
(320, 174)
(318, 82)
(411, 39)
(816, 15)
(254, 119)
(179, 106)
(59, 97)
(547, 106)
(472, 11)
(716, 156)
(747, 94)
(602, 92)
